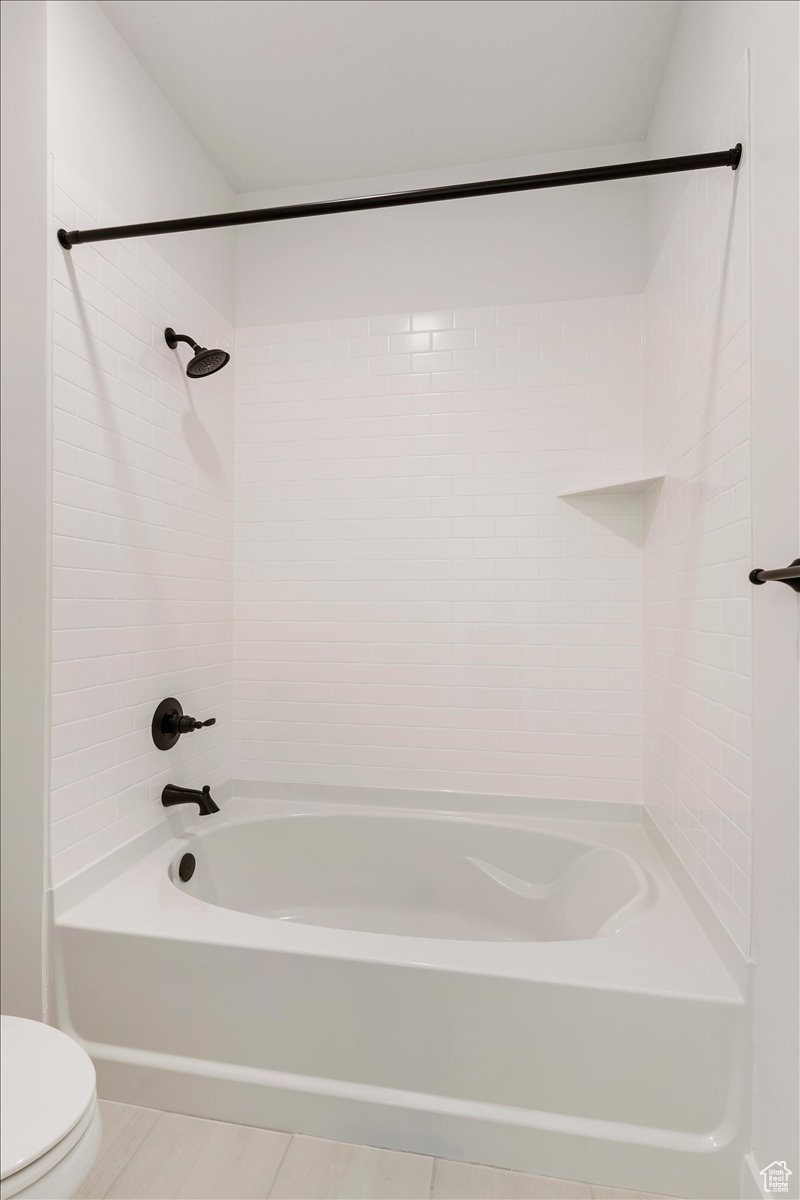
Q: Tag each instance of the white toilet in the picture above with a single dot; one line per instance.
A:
(50, 1130)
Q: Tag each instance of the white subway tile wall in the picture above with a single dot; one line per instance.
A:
(698, 546)
(142, 537)
(414, 605)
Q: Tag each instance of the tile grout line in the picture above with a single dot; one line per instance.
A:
(278, 1168)
(433, 1178)
(148, 1132)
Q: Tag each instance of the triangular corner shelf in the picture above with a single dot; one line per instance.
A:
(617, 518)
(620, 487)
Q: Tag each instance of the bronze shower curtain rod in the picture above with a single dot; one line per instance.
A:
(456, 191)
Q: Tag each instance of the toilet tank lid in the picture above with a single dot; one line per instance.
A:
(48, 1084)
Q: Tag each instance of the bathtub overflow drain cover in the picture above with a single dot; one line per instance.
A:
(186, 867)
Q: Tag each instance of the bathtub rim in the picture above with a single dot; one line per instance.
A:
(75, 888)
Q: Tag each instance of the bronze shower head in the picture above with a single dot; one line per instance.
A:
(204, 362)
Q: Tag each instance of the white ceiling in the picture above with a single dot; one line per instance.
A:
(284, 92)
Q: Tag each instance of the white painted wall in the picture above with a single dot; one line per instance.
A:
(711, 39)
(25, 502)
(564, 244)
(110, 123)
(415, 605)
(289, 94)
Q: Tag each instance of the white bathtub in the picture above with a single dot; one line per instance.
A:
(517, 990)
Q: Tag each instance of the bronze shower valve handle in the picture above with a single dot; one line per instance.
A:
(170, 722)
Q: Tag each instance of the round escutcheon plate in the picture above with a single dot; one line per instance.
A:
(165, 723)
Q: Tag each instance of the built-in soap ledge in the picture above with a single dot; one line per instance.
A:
(619, 505)
(618, 487)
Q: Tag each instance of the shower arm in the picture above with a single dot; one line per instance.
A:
(455, 191)
(172, 338)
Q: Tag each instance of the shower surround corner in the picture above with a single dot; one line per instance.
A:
(357, 557)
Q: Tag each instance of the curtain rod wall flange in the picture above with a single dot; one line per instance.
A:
(456, 191)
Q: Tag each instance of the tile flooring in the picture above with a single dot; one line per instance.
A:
(151, 1155)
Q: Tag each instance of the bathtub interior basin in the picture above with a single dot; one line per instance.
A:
(441, 878)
